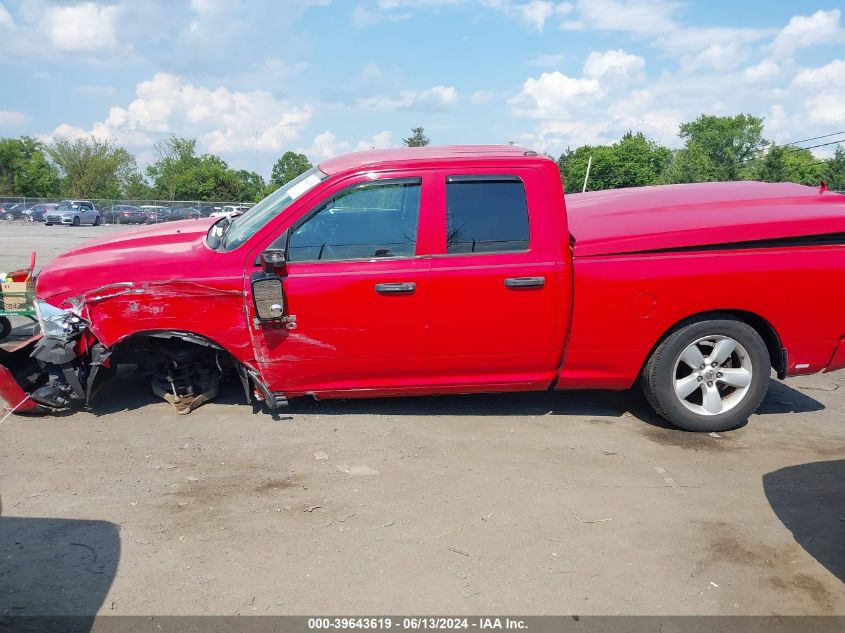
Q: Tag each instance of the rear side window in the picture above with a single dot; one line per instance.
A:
(370, 221)
(486, 214)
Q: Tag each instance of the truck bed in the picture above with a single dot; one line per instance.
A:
(673, 217)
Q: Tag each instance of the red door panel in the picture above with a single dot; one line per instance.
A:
(360, 324)
(493, 315)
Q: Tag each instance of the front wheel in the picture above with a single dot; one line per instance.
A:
(708, 375)
(76, 220)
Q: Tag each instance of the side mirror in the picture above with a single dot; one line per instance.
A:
(268, 295)
(275, 256)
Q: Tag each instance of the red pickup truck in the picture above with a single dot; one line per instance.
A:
(454, 270)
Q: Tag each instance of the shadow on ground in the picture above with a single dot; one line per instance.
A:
(780, 399)
(810, 500)
(55, 567)
(128, 391)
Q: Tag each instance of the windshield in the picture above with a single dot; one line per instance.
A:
(243, 227)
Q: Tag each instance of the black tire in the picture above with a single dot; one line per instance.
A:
(97, 221)
(5, 328)
(76, 220)
(658, 375)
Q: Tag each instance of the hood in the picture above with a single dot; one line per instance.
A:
(155, 253)
(668, 217)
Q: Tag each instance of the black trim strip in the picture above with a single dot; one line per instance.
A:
(826, 239)
(486, 178)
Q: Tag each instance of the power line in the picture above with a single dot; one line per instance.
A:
(815, 138)
(836, 142)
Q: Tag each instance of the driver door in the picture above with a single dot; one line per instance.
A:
(356, 283)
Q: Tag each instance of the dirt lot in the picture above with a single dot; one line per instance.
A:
(539, 503)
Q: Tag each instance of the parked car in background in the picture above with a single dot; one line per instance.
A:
(14, 211)
(73, 213)
(182, 213)
(206, 210)
(127, 214)
(228, 210)
(154, 213)
(37, 212)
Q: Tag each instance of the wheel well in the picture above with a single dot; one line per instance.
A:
(767, 332)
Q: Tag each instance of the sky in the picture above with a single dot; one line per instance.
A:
(251, 79)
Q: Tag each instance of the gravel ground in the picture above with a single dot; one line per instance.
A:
(544, 503)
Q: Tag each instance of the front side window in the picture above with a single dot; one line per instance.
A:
(486, 214)
(367, 221)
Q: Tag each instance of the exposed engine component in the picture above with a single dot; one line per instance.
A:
(185, 375)
(67, 375)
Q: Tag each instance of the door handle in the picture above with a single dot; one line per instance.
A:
(404, 287)
(525, 282)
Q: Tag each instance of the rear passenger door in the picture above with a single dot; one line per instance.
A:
(492, 310)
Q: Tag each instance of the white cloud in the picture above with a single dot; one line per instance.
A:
(831, 74)
(81, 27)
(826, 85)
(435, 98)
(555, 136)
(718, 56)
(225, 121)
(552, 94)
(614, 63)
(765, 70)
(380, 140)
(10, 117)
(827, 108)
(637, 16)
(6, 19)
(325, 145)
(802, 31)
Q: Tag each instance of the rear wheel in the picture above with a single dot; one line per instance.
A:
(708, 375)
(97, 221)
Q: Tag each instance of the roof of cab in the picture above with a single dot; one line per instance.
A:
(423, 156)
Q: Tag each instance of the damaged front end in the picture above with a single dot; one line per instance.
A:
(64, 354)
(65, 366)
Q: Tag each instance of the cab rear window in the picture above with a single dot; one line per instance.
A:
(486, 214)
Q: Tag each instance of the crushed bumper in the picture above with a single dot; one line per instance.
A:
(18, 377)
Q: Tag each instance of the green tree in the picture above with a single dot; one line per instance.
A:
(633, 161)
(176, 158)
(802, 167)
(251, 186)
(137, 188)
(180, 174)
(834, 170)
(93, 168)
(288, 167)
(729, 143)
(690, 164)
(417, 138)
(772, 167)
(790, 164)
(25, 170)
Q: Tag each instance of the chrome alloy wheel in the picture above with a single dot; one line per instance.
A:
(712, 375)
